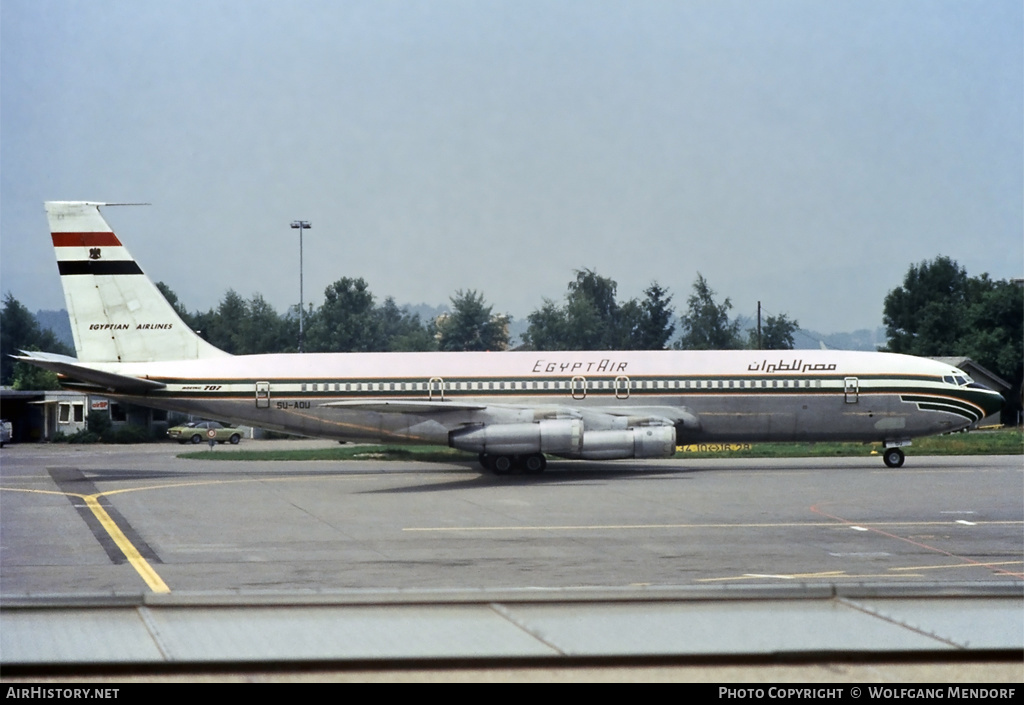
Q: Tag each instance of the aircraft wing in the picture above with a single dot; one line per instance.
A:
(498, 414)
(404, 406)
(84, 377)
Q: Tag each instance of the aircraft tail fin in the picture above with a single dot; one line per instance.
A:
(117, 313)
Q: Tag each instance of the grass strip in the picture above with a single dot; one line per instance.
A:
(1007, 441)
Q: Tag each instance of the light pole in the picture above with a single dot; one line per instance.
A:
(300, 225)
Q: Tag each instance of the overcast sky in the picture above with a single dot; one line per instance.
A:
(799, 153)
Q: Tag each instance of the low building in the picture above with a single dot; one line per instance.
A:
(37, 416)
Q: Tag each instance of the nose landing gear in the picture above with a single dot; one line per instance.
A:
(893, 457)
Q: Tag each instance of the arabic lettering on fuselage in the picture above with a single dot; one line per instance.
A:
(792, 366)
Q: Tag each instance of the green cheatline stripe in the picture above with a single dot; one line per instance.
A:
(941, 399)
(953, 406)
(949, 409)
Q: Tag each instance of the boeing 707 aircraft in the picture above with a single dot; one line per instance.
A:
(512, 408)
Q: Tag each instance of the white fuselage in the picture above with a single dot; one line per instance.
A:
(719, 395)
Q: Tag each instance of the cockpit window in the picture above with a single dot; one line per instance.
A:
(960, 379)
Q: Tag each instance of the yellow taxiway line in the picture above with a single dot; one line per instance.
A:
(140, 564)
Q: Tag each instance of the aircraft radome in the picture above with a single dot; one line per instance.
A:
(512, 408)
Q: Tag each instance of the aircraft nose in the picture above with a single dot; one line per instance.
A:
(993, 402)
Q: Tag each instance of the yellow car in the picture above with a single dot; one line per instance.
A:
(200, 431)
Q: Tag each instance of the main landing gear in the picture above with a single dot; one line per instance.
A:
(532, 464)
(893, 457)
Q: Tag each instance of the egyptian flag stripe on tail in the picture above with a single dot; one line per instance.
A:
(106, 239)
(97, 253)
(89, 267)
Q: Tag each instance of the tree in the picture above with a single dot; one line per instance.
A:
(19, 330)
(940, 311)
(172, 299)
(263, 330)
(776, 334)
(30, 377)
(592, 318)
(706, 325)
(595, 319)
(548, 328)
(471, 326)
(995, 337)
(225, 327)
(347, 320)
(655, 326)
(403, 331)
(926, 316)
(238, 326)
(585, 322)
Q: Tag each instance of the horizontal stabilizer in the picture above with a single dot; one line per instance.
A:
(79, 373)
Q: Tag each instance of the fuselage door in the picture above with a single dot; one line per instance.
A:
(435, 386)
(578, 385)
(263, 395)
(622, 387)
(851, 390)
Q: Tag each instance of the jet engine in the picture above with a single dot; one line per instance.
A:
(556, 436)
(566, 438)
(642, 442)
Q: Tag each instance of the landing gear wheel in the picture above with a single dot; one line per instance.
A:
(534, 464)
(501, 464)
(893, 457)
